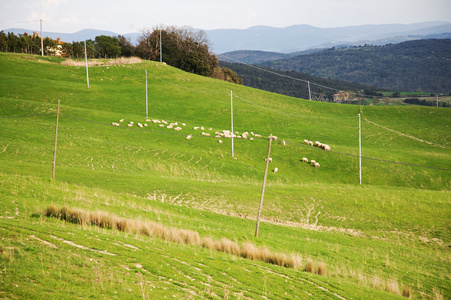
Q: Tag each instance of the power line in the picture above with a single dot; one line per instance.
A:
(288, 114)
(290, 77)
(187, 88)
(28, 116)
(408, 136)
(295, 144)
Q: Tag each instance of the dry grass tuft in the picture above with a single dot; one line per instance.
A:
(181, 236)
(406, 291)
(321, 269)
(309, 266)
(393, 287)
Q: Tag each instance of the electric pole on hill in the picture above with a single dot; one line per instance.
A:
(86, 59)
(42, 41)
(263, 188)
(56, 139)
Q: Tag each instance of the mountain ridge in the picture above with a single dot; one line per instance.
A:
(280, 39)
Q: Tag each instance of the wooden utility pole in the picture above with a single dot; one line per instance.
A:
(264, 184)
(56, 139)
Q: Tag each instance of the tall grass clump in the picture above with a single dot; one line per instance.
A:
(181, 236)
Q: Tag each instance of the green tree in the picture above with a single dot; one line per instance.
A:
(108, 46)
(3, 41)
(181, 47)
(127, 49)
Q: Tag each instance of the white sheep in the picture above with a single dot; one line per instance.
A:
(305, 159)
(195, 128)
(310, 143)
(269, 159)
(283, 143)
(312, 162)
(145, 124)
(275, 170)
(189, 136)
(164, 122)
(326, 147)
(130, 125)
(316, 165)
(317, 143)
(140, 125)
(220, 141)
(131, 122)
(121, 120)
(306, 142)
(258, 135)
(161, 125)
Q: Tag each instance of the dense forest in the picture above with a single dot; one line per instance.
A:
(295, 84)
(408, 66)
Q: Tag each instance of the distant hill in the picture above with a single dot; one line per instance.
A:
(289, 39)
(303, 37)
(407, 66)
(292, 83)
(256, 57)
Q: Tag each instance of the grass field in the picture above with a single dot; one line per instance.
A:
(387, 238)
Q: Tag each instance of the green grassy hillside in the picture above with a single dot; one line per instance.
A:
(377, 240)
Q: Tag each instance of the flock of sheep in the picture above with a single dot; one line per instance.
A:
(223, 134)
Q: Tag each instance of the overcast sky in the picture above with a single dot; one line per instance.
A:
(132, 15)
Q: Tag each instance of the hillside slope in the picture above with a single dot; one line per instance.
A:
(407, 66)
(382, 239)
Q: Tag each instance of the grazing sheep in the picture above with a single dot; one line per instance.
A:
(220, 141)
(140, 125)
(270, 159)
(205, 134)
(218, 136)
(316, 165)
(283, 143)
(305, 159)
(145, 124)
(275, 170)
(121, 120)
(326, 147)
(164, 122)
(178, 128)
(317, 143)
(189, 136)
(202, 128)
(251, 139)
(274, 138)
(147, 120)
(161, 125)
(258, 135)
(115, 124)
(195, 128)
(130, 125)
(183, 124)
(312, 162)
(310, 143)
(306, 142)
(131, 122)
